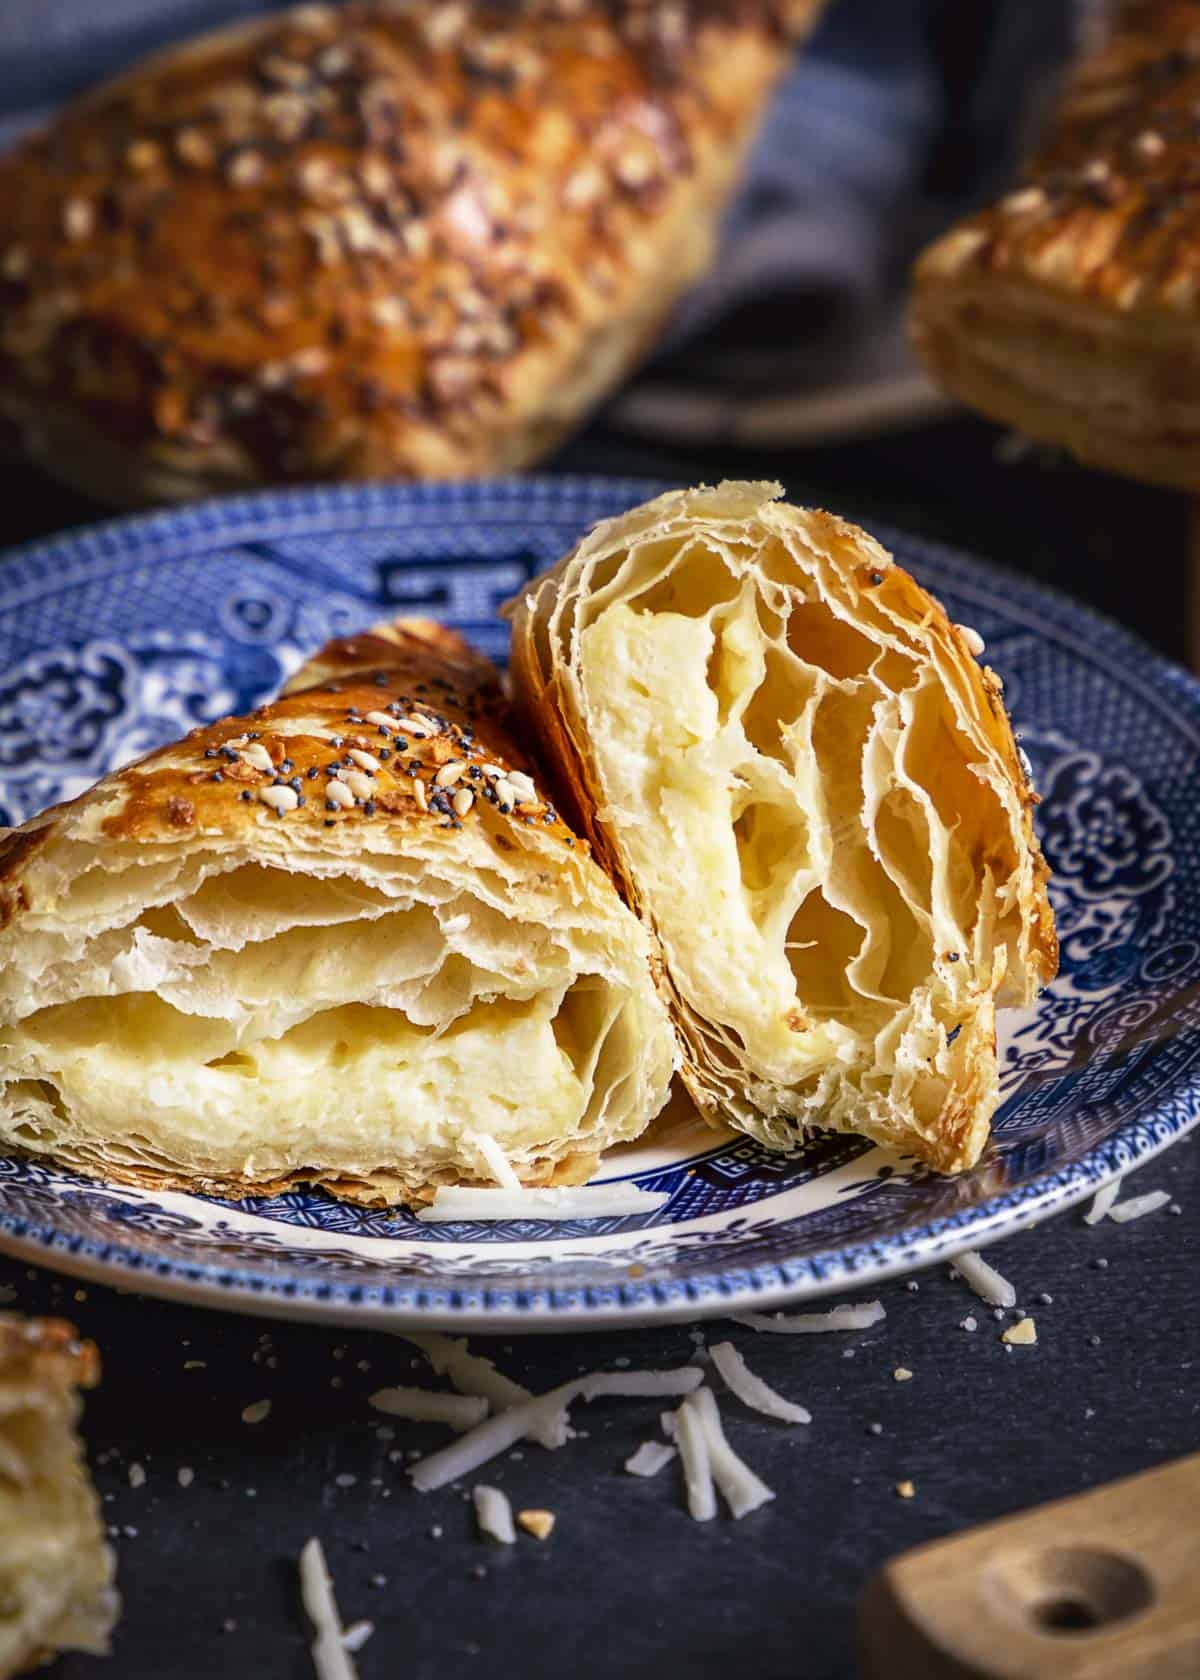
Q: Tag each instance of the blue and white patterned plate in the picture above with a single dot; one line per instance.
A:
(124, 636)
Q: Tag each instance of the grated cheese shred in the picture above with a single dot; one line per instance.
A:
(859, 1315)
(1137, 1207)
(422, 1405)
(741, 1489)
(330, 1657)
(694, 1462)
(1102, 1201)
(985, 1280)
(471, 1373)
(649, 1458)
(752, 1391)
(493, 1513)
(571, 1201)
(496, 1434)
(497, 1162)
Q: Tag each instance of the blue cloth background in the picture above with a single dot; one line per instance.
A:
(899, 114)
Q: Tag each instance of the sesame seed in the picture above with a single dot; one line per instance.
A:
(245, 169)
(1149, 146)
(449, 773)
(463, 801)
(1024, 201)
(79, 218)
(195, 148)
(338, 796)
(280, 799)
(143, 155)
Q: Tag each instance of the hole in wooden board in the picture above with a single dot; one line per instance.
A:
(1071, 1591)
(1065, 1615)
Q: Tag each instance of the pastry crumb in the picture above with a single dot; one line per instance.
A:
(902, 1374)
(1021, 1334)
(538, 1523)
(906, 1490)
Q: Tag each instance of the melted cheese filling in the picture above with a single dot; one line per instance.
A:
(794, 804)
(353, 1088)
(262, 1026)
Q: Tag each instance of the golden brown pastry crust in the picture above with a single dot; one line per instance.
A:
(46, 1353)
(1070, 309)
(57, 1569)
(804, 551)
(204, 791)
(415, 240)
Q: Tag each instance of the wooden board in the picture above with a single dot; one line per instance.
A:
(1104, 1586)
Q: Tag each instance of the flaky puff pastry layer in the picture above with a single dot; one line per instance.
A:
(788, 759)
(1071, 307)
(342, 941)
(56, 1573)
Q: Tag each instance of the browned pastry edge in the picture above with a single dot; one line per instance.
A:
(569, 1169)
(46, 1354)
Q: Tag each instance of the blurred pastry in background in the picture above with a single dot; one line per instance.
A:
(1069, 309)
(56, 1572)
(373, 241)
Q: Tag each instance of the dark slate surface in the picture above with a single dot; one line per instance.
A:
(627, 1584)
